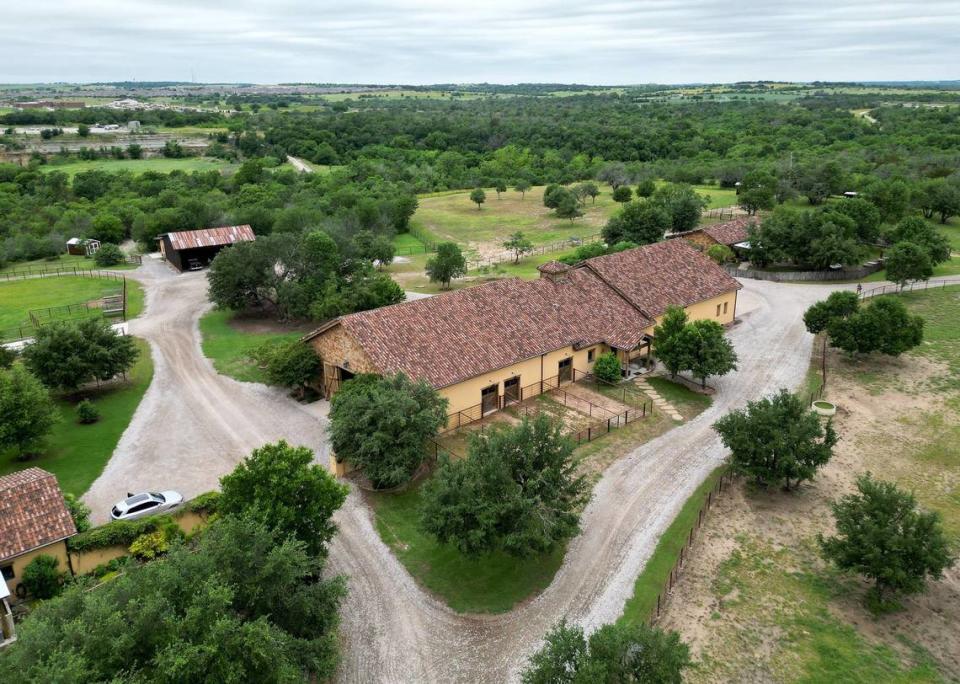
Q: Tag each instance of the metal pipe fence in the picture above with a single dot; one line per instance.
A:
(911, 287)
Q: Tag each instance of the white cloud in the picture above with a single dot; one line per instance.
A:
(431, 41)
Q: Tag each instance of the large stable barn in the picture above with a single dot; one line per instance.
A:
(481, 346)
(191, 250)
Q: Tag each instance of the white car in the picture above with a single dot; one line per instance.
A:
(146, 503)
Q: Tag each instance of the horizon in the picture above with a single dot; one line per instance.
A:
(660, 42)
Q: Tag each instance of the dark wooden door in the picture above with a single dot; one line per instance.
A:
(488, 399)
(565, 370)
(511, 391)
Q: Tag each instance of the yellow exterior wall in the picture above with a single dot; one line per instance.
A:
(466, 395)
(707, 309)
(58, 550)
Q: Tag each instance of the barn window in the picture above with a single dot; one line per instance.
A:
(725, 307)
(590, 355)
(718, 309)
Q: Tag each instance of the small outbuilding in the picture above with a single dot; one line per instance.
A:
(191, 250)
(82, 246)
(34, 521)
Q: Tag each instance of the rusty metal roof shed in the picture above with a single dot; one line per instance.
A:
(211, 237)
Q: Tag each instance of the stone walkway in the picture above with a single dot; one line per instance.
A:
(658, 401)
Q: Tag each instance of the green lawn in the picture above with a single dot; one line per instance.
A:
(655, 573)
(227, 346)
(18, 297)
(76, 453)
(161, 164)
(489, 584)
(679, 395)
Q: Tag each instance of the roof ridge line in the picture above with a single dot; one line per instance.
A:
(616, 289)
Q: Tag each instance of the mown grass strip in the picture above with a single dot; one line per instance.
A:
(653, 578)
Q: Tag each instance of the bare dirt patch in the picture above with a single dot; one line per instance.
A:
(756, 602)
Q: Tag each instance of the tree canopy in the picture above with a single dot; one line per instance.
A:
(67, 355)
(777, 439)
(27, 413)
(518, 490)
(883, 535)
(614, 653)
(884, 326)
(448, 263)
(381, 425)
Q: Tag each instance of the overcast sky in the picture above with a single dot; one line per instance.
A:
(502, 41)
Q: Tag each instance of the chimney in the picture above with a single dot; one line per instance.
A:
(554, 270)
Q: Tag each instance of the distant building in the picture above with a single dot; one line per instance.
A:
(191, 250)
(83, 246)
(34, 521)
(133, 125)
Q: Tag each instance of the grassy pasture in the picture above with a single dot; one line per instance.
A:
(160, 164)
(18, 297)
(452, 216)
(64, 261)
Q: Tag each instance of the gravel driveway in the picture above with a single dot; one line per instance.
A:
(194, 425)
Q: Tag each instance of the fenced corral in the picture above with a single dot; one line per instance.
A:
(112, 304)
(548, 248)
(584, 420)
(805, 276)
(60, 271)
(724, 480)
(911, 287)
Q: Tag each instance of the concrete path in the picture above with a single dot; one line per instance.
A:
(658, 401)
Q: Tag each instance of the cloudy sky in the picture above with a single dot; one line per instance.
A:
(503, 41)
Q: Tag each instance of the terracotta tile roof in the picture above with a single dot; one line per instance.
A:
(32, 512)
(666, 273)
(454, 336)
(553, 268)
(211, 237)
(730, 232)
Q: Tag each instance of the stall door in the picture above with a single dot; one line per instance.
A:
(565, 370)
(488, 399)
(511, 391)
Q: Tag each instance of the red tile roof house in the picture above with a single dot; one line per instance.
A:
(34, 520)
(480, 346)
(194, 249)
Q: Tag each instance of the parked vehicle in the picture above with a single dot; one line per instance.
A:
(145, 503)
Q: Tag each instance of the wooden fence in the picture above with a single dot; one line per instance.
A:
(556, 246)
(805, 276)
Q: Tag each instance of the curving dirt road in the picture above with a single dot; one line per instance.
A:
(194, 425)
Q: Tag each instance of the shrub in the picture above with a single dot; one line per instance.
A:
(79, 511)
(108, 255)
(607, 368)
(87, 413)
(120, 533)
(41, 577)
(721, 254)
(207, 503)
(149, 546)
